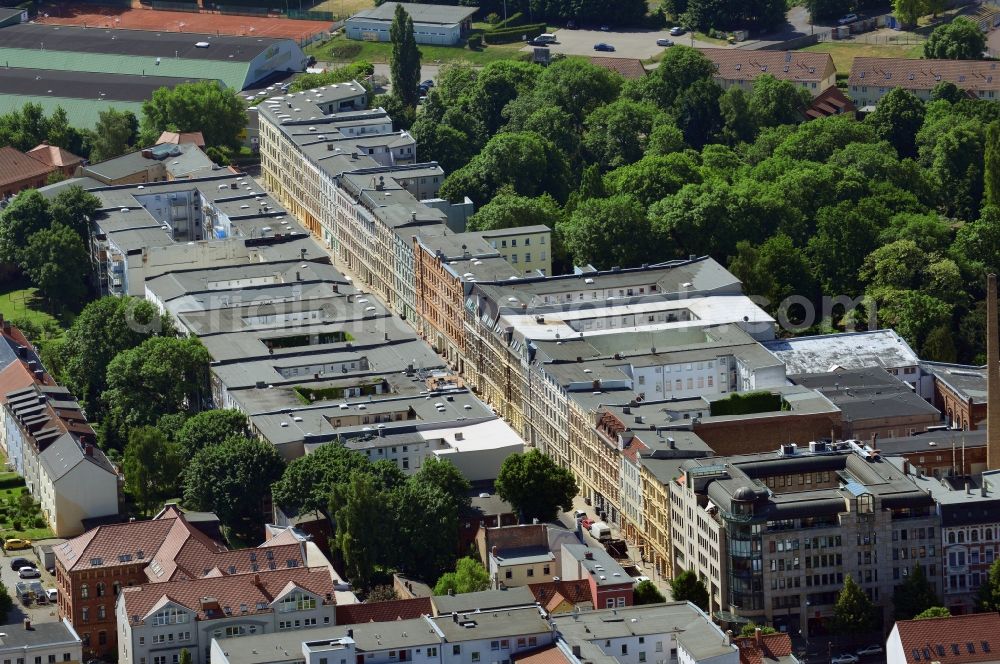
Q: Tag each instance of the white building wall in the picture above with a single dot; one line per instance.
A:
(86, 491)
(68, 651)
(894, 648)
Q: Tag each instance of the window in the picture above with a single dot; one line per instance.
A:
(84, 591)
(624, 648)
(642, 656)
(100, 612)
(102, 638)
(85, 614)
(100, 589)
(475, 656)
(432, 651)
(170, 616)
(297, 602)
(494, 645)
(545, 570)
(456, 649)
(509, 574)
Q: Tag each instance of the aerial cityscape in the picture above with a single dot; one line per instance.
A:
(500, 332)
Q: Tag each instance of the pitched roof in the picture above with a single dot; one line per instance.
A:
(16, 166)
(772, 647)
(14, 377)
(53, 155)
(974, 75)
(550, 654)
(177, 138)
(627, 67)
(573, 592)
(399, 609)
(240, 594)
(831, 101)
(968, 638)
(796, 66)
(195, 560)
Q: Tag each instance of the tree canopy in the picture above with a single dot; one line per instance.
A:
(687, 587)
(206, 106)
(404, 64)
(469, 577)
(853, 612)
(914, 595)
(647, 593)
(535, 486)
(962, 39)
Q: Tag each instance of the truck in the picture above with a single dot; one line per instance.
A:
(600, 531)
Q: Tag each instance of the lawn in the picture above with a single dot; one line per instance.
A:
(340, 49)
(342, 7)
(20, 303)
(11, 509)
(845, 51)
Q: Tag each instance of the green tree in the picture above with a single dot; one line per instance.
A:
(616, 133)
(535, 486)
(62, 134)
(25, 128)
(404, 63)
(383, 593)
(58, 264)
(443, 475)
(914, 595)
(939, 345)
(991, 178)
(979, 240)
(227, 479)
(908, 11)
(27, 214)
(988, 598)
(469, 577)
(897, 119)
(933, 612)
(653, 178)
(609, 232)
(437, 141)
(362, 527)
(161, 375)
(496, 85)
(206, 106)
(116, 131)
(680, 68)
(775, 102)
(775, 270)
(962, 39)
(151, 465)
(687, 587)
(209, 428)
(307, 480)
(185, 656)
(427, 520)
(646, 593)
(853, 612)
(665, 139)
(750, 629)
(556, 125)
(572, 85)
(509, 210)
(696, 112)
(74, 208)
(738, 123)
(6, 603)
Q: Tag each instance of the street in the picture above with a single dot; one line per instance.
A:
(37, 613)
(640, 44)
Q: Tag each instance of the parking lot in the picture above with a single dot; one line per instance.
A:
(38, 613)
(639, 44)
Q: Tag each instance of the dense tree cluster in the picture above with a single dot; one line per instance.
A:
(671, 165)
(384, 520)
(29, 126)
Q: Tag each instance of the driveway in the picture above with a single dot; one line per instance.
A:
(37, 613)
(639, 44)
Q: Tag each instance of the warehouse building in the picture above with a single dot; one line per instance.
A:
(432, 24)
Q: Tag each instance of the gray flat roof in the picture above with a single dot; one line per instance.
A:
(485, 600)
(491, 624)
(40, 634)
(435, 14)
(966, 381)
(850, 350)
(134, 42)
(84, 85)
(871, 393)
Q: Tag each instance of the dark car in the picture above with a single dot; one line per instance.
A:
(428, 83)
(18, 563)
(535, 42)
(571, 25)
(601, 46)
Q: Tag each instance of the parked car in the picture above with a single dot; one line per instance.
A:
(28, 573)
(571, 25)
(605, 28)
(428, 83)
(535, 42)
(586, 523)
(15, 544)
(601, 46)
(846, 658)
(874, 649)
(848, 18)
(18, 563)
(579, 514)
(664, 42)
(52, 594)
(677, 31)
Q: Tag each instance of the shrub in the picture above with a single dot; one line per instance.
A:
(510, 21)
(492, 18)
(511, 35)
(747, 403)
(475, 42)
(39, 522)
(15, 524)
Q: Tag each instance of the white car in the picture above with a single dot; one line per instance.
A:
(847, 18)
(52, 594)
(28, 573)
(874, 649)
(846, 658)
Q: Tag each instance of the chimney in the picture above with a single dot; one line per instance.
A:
(993, 376)
(576, 651)
(256, 580)
(350, 633)
(756, 636)
(88, 449)
(589, 555)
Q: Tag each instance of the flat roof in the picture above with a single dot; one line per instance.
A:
(849, 350)
(84, 85)
(83, 113)
(866, 394)
(492, 624)
(147, 43)
(40, 634)
(966, 381)
(435, 14)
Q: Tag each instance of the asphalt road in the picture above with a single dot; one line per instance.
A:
(639, 44)
(37, 613)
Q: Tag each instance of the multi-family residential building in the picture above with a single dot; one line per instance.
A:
(610, 584)
(20, 171)
(35, 643)
(157, 621)
(774, 535)
(814, 72)
(872, 78)
(959, 639)
(48, 441)
(519, 555)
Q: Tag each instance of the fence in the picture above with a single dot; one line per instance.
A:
(242, 10)
(308, 15)
(167, 5)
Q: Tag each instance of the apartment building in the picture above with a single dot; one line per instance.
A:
(814, 72)
(610, 586)
(774, 535)
(49, 442)
(959, 639)
(518, 555)
(872, 78)
(157, 621)
(34, 643)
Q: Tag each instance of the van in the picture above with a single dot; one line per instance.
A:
(600, 531)
(546, 38)
(579, 514)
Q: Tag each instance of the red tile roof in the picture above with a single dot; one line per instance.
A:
(16, 166)
(176, 138)
(735, 64)
(972, 75)
(195, 560)
(254, 591)
(771, 648)
(16, 376)
(399, 609)
(55, 156)
(831, 101)
(545, 655)
(969, 638)
(627, 67)
(574, 592)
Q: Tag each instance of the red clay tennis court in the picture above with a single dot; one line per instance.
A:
(167, 21)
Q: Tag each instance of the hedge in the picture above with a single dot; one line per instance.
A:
(748, 403)
(510, 35)
(508, 22)
(475, 42)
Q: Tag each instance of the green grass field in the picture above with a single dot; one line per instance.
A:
(20, 303)
(340, 49)
(342, 7)
(844, 52)
(8, 512)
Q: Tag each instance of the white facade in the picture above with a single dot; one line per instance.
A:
(45, 642)
(70, 495)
